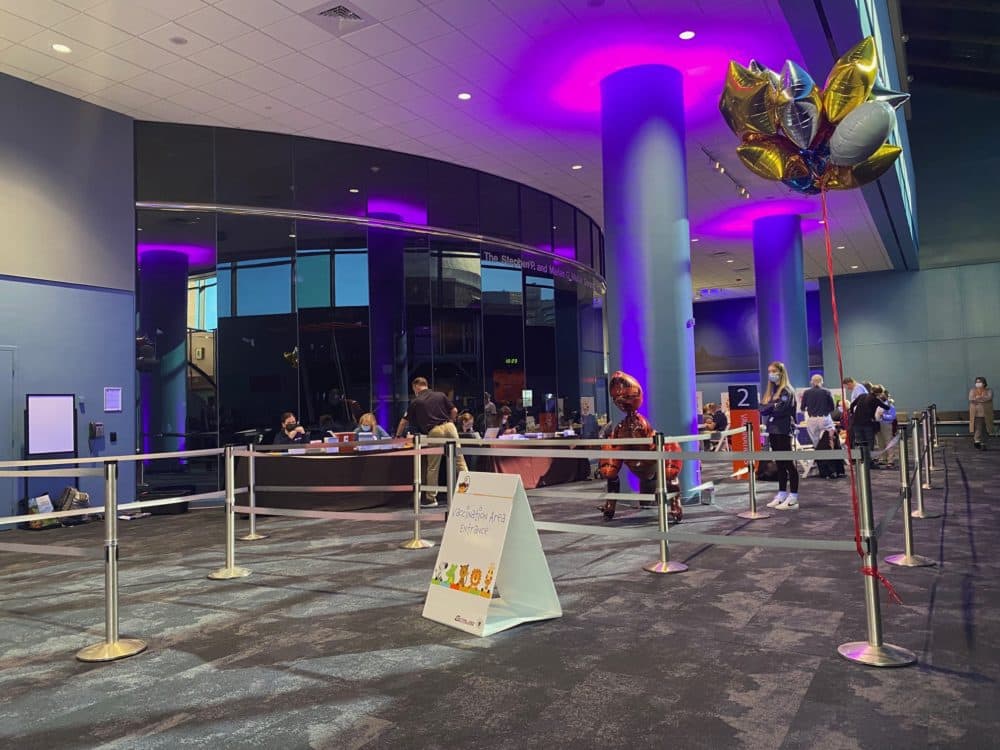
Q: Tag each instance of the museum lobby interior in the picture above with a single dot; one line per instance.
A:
(242, 237)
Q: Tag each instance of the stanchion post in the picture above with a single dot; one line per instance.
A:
(664, 564)
(929, 443)
(918, 471)
(231, 570)
(925, 453)
(874, 651)
(753, 514)
(934, 425)
(416, 542)
(113, 647)
(252, 535)
(451, 459)
(907, 559)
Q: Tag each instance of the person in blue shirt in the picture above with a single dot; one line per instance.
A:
(368, 425)
(779, 409)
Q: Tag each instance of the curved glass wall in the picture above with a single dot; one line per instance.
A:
(332, 312)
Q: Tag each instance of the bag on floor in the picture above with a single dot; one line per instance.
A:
(830, 467)
(767, 471)
(73, 499)
(35, 505)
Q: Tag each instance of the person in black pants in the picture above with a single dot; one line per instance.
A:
(779, 408)
(863, 422)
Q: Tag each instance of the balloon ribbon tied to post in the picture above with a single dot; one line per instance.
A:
(813, 140)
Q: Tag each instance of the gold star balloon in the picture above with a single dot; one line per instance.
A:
(747, 101)
(772, 159)
(851, 80)
(876, 165)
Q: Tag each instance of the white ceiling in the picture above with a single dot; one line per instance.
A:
(258, 64)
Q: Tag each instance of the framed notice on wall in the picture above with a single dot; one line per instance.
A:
(50, 424)
(112, 399)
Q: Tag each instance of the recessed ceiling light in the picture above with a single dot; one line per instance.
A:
(577, 166)
(694, 239)
(730, 261)
(685, 35)
(62, 49)
(292, 235)
(822, 221)
(353, 190)
(465, 96)
(841, 247)
(555, 227)
(853, 267)
(178, 40)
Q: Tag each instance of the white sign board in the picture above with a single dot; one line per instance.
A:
(491, 573)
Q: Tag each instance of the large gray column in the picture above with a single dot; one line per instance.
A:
(648, 251)
(781, 295)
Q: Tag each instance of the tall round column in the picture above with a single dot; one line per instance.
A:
(387, 311)
(781, 295)
(647, 240)
(163, 318)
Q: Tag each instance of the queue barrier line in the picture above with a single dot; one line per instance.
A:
(570, 442)
(432, 514)
(52, 549)
(340, 488)
(127, 458)
(325, 454)
(53, 473)
(652, 455)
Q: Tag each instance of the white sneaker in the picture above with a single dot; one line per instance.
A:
(778, 500)
(790, 504)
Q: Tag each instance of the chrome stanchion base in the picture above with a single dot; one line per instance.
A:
(416, 544)
(120, 649)
(925, 514)
(926, 486)
(754, 515)
(224, 574)
(670, 566)
(910, 561)
(885, 655)
(252, 537)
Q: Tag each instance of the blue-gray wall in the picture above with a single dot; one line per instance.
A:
(953, 136)
(924, 334)
(67, 265)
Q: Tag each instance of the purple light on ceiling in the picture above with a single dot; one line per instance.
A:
(409, 213)
(738, 220)
(556, 80)
(197, 255)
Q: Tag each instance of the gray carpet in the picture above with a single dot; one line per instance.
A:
(324, 646)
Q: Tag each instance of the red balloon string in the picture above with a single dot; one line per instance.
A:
(844, 404)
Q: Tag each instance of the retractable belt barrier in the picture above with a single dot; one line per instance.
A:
(113, 647)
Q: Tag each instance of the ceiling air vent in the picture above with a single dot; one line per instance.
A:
(340, 19)
(340, 11)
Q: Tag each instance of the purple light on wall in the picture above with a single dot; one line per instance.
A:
(566, 252)
(409, 213)
(197, 255)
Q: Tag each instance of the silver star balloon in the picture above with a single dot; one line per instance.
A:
(894, 99)
(773, 77)
(800, 110)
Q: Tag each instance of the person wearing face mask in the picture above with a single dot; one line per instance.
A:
(291, 431)
(368, 425)
(980, 412)
(779, 409)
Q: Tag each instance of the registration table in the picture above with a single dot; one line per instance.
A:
(535, 471)
(356, 465)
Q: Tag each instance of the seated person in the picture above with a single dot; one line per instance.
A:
(508, 425)
(467, 425)
(291, 431)
(368, 425)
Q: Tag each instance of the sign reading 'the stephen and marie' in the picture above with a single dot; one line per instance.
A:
(491, 573)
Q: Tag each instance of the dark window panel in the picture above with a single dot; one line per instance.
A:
(452, 197)
(536, 219)
(563, 229)
(499, 211)
(174, 162)
(254, 169)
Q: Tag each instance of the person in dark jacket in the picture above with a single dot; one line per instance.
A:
(817, 405)
(864, 423)
(779, 409)
(291, 431)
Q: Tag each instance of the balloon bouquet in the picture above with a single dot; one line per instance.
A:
(812, 139)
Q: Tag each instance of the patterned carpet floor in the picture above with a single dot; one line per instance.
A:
(324, 646)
